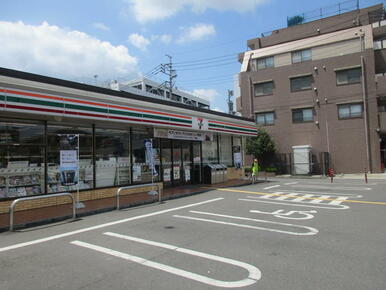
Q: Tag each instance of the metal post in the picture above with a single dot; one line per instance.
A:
(366, 176)
(137, 186)
(16, 201)
(364, 97)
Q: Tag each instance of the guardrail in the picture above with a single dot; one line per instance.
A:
(16, 201)
(138, 186)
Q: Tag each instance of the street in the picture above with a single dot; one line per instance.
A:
(285, 233)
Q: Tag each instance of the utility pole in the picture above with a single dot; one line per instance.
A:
(230, 103)
(167, 68)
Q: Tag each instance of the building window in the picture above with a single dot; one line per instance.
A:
(301, 83)
(301, 55)
(382, 105)
(265, 118)
(349, 111)
(379, 44)
(302, 115)
(112, 157)
(263, 89)
(209, 151)
(348, 76)
(140, 167)
(263, 63)
(226, 150)
(61, 138)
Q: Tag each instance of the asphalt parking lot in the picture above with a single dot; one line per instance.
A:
(281, 234)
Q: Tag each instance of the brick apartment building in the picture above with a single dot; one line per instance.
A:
(322, 85)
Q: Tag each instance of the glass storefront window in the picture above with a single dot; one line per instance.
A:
(66, 138)
(226, 150)
(21, 159)
(209, 151)
(141, 170)
(166, 155)
(112, 157)
(237, 152)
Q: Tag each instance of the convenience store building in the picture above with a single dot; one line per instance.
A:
(41, 116)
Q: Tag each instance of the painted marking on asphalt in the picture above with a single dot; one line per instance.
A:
(305, 198)
(310, 230)
(302, 197)
(341, 206)
(324, 197)
(339, 200)
(264, 193)
(273, 186)
(289, 183)
(321, 193)
(302, 214)
(254, 274)
(50, 238)
(332, 187)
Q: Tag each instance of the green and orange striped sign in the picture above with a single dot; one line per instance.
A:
(15, 100)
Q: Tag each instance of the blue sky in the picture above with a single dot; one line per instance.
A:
(124, 39)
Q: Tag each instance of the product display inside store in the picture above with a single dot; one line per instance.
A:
(21, 159)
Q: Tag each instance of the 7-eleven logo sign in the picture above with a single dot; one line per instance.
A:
(200, 123)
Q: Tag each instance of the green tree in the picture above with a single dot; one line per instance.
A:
(261, 147)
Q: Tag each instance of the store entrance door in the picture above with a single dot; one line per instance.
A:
(182, 162)
(196, 168)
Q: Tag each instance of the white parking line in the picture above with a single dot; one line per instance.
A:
(273, 186)
(50, 238)
(311, 231)
(339, 206)
(289, 183)
(254, 274)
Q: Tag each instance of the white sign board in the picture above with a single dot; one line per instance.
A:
(183, 135)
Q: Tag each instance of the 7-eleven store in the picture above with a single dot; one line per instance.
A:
(41, 117)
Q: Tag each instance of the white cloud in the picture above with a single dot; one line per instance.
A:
(139, 41)
(197, 32)
(164, 38)
(207, 94)
(218, 109)
(153, 10)
(51, 50)
(101, 26)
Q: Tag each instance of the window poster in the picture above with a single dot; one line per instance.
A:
(167, 176)
(237, 159)
(68, 167)
(136, 172)
(176, 172)
(187, 173)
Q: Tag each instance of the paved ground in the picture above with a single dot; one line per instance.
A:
(281, 234)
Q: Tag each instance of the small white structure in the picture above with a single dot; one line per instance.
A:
(302, 159)
(153, 89)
